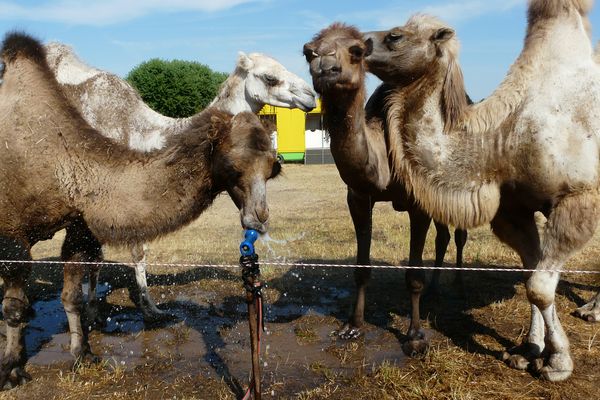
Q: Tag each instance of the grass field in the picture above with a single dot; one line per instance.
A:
(204, 352)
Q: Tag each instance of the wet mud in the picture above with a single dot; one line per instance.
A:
(208, 336)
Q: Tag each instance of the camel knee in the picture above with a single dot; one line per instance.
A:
(72, 299)
(16, 311)
(541, 288)
(415, 280)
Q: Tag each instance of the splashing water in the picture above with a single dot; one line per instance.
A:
(272, 253)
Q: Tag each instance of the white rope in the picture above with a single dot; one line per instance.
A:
(311, 265)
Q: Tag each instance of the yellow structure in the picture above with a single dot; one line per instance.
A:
(291, 126)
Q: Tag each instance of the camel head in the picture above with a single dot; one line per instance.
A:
(423, 48)
(405, 53)
(266, 81)
(336, 58)
(242, 166)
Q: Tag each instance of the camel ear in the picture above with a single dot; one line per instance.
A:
(442, 35)
(244, 61)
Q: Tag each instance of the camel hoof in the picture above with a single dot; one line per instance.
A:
(515, 361)
(348, 332)
(559, 368)
(589, 312)
(17, 377)
(415, 348)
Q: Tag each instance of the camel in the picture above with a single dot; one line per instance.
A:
(530, 146)
(358, 145)
(114, 108)
(59, 172)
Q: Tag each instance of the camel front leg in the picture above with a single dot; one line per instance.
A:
(518, 229)
(15, 308)
(149, 310)
(591, 311)
(416, 343)
(570, 225)
(361, 210)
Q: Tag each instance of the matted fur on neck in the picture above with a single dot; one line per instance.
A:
(447, 202)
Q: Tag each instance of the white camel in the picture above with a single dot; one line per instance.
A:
(533, 145)
(116, 110)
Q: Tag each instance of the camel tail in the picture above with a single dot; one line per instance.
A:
(19, 44)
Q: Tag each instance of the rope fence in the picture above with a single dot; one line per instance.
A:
(311, 265)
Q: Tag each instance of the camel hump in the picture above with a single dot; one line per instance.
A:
(19, 44)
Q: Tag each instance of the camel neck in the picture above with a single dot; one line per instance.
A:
(359, 151)
(232, 97)
(344, 113)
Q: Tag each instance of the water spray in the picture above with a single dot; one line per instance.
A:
(253, 286)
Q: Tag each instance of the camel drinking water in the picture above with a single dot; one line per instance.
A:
(532, 146)
(59, 172)
(114, 108)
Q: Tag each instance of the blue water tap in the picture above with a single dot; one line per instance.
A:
(247, 245)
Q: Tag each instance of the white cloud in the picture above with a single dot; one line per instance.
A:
(99, 12)
(449, 11)
(466, 10)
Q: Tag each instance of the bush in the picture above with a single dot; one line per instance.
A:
(176, 88)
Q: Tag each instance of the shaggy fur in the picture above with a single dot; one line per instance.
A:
(115, 109)
(531, 147)
(358, 144)
(59, 172)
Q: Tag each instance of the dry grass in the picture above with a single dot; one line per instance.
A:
(310, 217)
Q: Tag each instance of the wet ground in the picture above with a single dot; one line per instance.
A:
(208, 335)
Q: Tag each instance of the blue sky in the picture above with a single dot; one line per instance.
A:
(116, 35)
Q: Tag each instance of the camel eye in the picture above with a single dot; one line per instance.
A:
(309, 53)
(357, 51)
(271, 80)
(394, 36)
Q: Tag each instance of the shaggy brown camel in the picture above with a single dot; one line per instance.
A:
(358, 145)
(114, 108)
(59, 172)
(531, 146)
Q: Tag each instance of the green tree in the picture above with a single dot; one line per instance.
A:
(176, 88)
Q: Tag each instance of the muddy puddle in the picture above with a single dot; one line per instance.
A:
(208, 336)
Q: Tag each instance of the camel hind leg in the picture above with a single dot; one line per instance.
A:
(442, 238)
(570, 225)
(460, 240)
(517, 228)
(15, 308)
(79, 245)
(149, 310)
